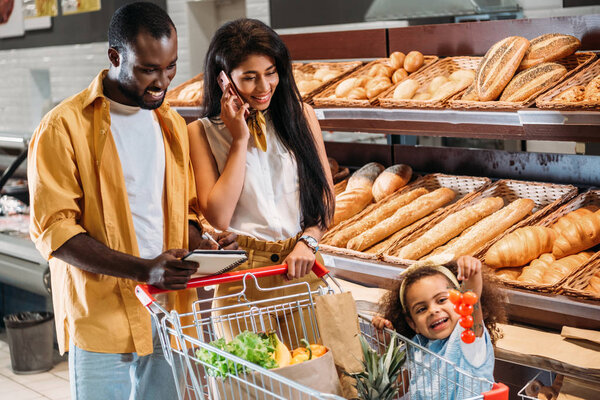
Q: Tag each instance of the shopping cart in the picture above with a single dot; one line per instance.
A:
(183, 335)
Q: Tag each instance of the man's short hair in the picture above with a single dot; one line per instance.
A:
(130, 19)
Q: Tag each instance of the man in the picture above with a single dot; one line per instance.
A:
(111, 188)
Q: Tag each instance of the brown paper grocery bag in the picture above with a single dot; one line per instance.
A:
(338, 325)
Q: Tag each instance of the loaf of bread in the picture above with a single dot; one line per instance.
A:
(567, 219)
(377, 85)
(365, 176)
(436, 82)
(344, 87)
(450, 227)
(549, 47)
(415, 210)
(390, 180)
(422, 96)
(351, 202)
(397, 59)
(582, 233)
(470, 94)
(498, 67)
(341, 238)
(398, 75)
(573, 94)
(534, 272)
(413, 61)
(470, 241)
(594, 284)
(592, 90)
(520, 247)
(191, 92)
(406, 89)
(509, 274)
(561, 268)
(533, 80)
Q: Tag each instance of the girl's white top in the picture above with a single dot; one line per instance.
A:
(269, 205)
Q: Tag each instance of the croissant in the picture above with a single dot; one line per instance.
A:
(534, 272)
(510, 274)
(566, 220)
(563, 267)
(520, 247)
(581, 234)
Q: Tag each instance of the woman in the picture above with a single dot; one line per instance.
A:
(271, 186)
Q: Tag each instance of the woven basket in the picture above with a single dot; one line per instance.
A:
(575, 284)
(464, 186)
(322, 99)
(443, 67)
(341, 69)
(574, 63)
(583, 77)
(172, 94)
(545, 195)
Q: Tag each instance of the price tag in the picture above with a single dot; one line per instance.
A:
(319, 113)
(328, 260)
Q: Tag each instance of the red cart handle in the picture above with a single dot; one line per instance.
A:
(145, 292)
(499, 392)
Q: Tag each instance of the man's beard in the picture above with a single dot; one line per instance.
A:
(136, 98)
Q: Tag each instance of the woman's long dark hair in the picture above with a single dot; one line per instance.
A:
(231, 45)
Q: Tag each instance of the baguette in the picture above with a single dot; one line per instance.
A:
(533, 80)
(341, 238)
(549, 47)
(404, 216)
(487, 229)
(498, 67)
(450, 227)
(470, 94)
(365, 176)
(390, 180)
(350, 203)
(520, 247)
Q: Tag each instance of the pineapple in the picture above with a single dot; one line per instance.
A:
(378, 379)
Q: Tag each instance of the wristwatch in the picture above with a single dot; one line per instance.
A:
(311, 242)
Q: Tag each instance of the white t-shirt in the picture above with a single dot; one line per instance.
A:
(139, 140)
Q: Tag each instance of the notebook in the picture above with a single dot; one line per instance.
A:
(215, 262)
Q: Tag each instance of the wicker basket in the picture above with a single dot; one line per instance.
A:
(583, 77)
(575, 284)
(545, 195)
(574, 63)
(464, 186)
(173, 94)
(341, 69)
(322, 99)
(443, 67)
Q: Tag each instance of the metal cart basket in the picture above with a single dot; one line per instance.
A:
(187, 335)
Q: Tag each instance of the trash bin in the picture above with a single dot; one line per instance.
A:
(30, 340)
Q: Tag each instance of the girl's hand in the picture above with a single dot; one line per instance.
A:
(469, 271)
(232, 115)
(299, 261)
(380, 323)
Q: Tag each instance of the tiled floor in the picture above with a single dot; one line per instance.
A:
(53, 384)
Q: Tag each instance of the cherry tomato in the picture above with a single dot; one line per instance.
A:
(466, 321)
(464, 309)
(469, 297)
(454, 296)
(468, 336)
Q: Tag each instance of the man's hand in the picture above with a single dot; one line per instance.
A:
(168, 271)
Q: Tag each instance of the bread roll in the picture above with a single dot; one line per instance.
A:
(498, 67)
(450, 227)
(534, 272)
(397, 59)
(380, 70)
(549, 47)
(413, 61)
(563, 267)
(436, 82)
(470, 94)
(581, 234)
(362, 81)
(344, 87)
(533, 80)
(509, 274)
(592, 90)
(573, 94)
(398, 75)
(341, 238)
(460, 75)
(365, 176)
(487, 229)
(390, 180)
(377, 85)
(404, 216)
(448, 89)
(351, 202)
(520, 247)
(357, 93)
(406, 89)
(566, 220)
(422, 96)
(321, 73)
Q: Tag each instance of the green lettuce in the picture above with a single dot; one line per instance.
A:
(252, 347)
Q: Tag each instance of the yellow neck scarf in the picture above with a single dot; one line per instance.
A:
(257, 125)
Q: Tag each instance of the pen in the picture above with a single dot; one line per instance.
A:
(208, 237)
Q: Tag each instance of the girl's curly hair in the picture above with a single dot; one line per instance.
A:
(492, 301)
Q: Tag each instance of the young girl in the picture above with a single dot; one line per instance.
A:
(266, 179)
(418, 307)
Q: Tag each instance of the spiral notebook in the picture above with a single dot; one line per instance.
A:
(215, 262)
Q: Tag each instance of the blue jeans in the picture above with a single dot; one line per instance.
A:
(109, 376)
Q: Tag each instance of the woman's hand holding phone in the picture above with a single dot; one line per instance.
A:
(233, 110)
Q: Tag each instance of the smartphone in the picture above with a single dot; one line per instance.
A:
(224, 83)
